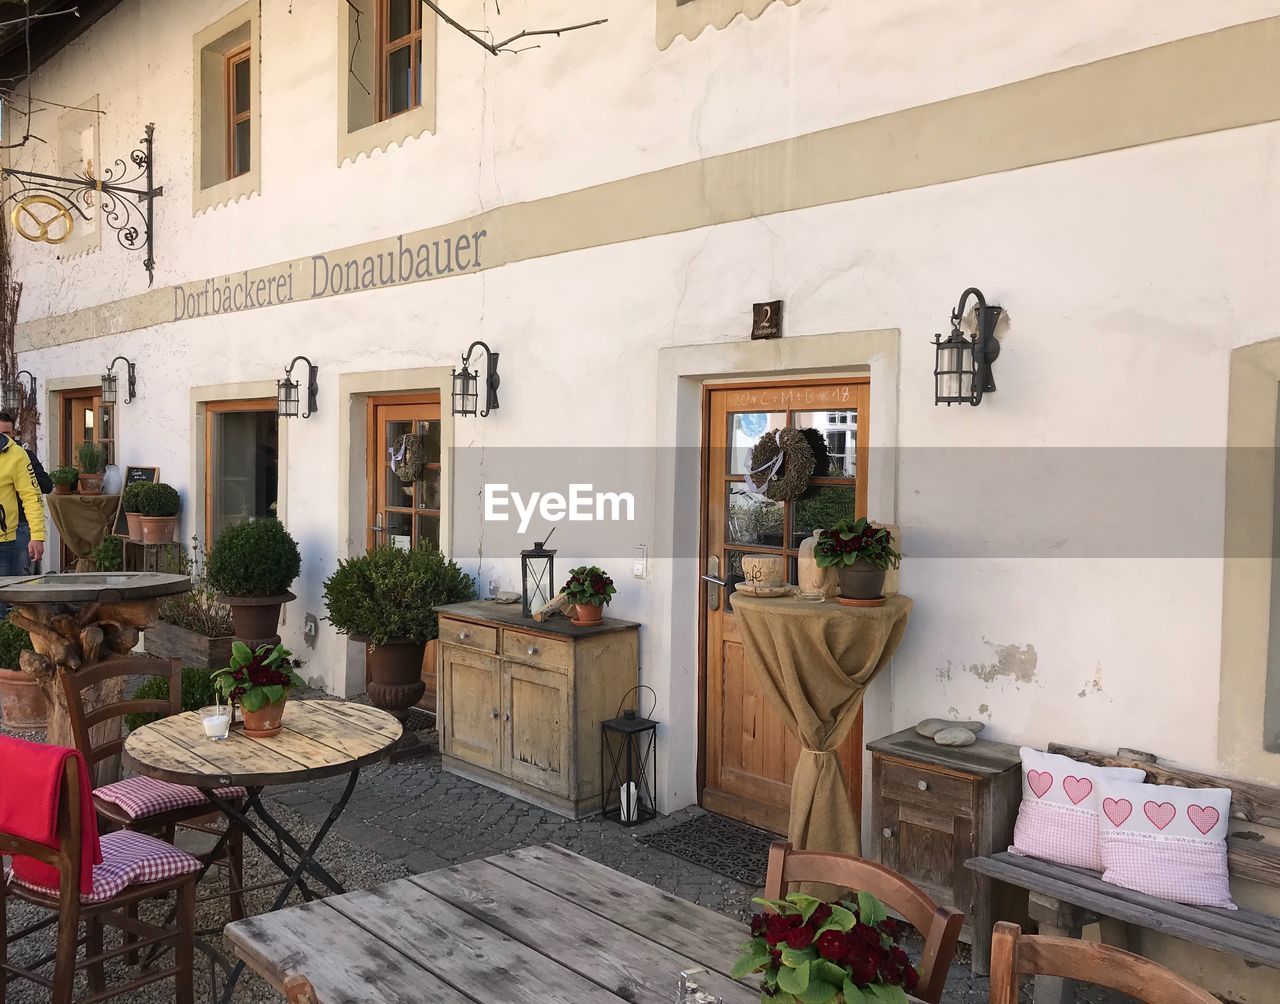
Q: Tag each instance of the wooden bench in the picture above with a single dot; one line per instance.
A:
(1062, 900)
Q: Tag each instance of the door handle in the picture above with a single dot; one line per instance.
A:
(713, 582)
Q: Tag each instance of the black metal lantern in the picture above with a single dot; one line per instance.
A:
(962, 371)
(628, 745)
(287, 391)
(12, 397)
(466, 384)
(111, 383)
(537, 577)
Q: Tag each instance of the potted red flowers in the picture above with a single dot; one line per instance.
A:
(259, 681)
(828, 953)
(589, 589)
(861, 554)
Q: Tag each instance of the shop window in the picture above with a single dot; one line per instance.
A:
(227, 99)
(386, 74)
(242, 463)
(690, 17)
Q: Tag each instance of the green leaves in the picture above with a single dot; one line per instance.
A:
(870, 909)
(254, 558)
(253, 700)
(841, 920)
(794, 981)
(753, 958)
(240, 654)
(795, 958)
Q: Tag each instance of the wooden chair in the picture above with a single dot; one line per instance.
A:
(1015, 954)
(71, 910)
(938, 925)
(161, 824)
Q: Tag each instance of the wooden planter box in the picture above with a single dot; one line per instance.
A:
(168, 641)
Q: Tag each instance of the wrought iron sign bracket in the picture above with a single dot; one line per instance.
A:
(127, 209)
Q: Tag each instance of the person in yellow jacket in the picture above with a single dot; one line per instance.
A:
(18, 483)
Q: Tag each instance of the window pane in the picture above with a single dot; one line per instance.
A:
(430, 431)
(398, 494)
(242, 483)
(399, 18)
(821, 508)
(752, 520)
(399, 81)
(745, 430)
(240, 155)
(240, 84)
(429, 532)
(429, 490)
(399, 530)
(840, 430)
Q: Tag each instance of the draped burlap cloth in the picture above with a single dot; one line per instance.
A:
(813, 662)
(83, 521)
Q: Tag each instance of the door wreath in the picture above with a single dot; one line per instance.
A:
(406, 457)
(781, 464)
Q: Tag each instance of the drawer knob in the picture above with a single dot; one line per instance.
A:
(463, 635)
(887, 833)
(506, 716)
(493, 713)
(922, 785)
(532, 650)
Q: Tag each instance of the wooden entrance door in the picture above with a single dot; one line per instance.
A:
(748, 756)
(404, 514)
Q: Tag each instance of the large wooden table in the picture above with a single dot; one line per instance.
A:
(319, 739)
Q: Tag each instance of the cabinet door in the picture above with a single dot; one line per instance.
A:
(470, 699)
(535, 727)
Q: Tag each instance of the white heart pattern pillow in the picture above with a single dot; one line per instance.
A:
(1167, 841)
(1058, 818)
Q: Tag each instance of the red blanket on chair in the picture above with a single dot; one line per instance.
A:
(30, 784)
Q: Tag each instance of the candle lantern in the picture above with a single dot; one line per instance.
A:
(628, 750)
(537, 577)
(962, 370)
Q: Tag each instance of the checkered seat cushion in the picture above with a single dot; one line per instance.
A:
(129, 858)
(141, 797)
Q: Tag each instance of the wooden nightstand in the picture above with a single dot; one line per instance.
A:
(933, 808)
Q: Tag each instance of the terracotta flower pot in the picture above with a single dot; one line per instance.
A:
(860, 581)
(266, 720)
(64, 489)
(90, 484)
(158, 529)
(134, 519)
(22, 702)
(257, 618)
(586, 614)
(395, 675)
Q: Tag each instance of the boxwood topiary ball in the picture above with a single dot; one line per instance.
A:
(255, 558)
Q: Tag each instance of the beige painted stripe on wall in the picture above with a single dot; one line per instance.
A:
(1223, 80)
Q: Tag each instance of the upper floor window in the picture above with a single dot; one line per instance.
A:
(239, 113)
(400, 65)
(386, 74)
(227, 100)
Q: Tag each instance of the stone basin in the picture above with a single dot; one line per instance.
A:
(92, 587)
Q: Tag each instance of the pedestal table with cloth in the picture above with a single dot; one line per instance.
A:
(83, 521)
(813, 662)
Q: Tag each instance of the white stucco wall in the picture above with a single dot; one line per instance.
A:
(1127, 277)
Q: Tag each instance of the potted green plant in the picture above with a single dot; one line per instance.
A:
(158, 508)
(386, 599)
(64, 480)
(861, 554)
(22, 702)
(259, 681)
(131, 502)
(109, 555)
(252, 565)
(93, 461)
(194, 626)
(590, 590)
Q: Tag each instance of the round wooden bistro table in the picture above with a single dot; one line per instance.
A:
(319, 739)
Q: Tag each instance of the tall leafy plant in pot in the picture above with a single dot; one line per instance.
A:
(93, 461)
(253, 564)
(861, 554)
(158, 508)
(385, 598)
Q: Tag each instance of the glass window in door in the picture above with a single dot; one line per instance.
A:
(242, 463)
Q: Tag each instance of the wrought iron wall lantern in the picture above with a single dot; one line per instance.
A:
(111, 383)
(13, 392)
(287, 395)
(962, 370)
(44, 204)
(466, 391)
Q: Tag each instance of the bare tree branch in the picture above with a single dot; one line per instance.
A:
(496, 48)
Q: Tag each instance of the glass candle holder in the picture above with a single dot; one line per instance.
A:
(216, 720)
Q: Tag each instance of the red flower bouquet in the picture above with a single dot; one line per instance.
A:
(813, 952)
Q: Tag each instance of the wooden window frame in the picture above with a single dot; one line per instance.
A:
(386, 47)
(233, 59)
(212, 410)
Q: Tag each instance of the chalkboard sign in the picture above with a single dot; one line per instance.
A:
(132, 476)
